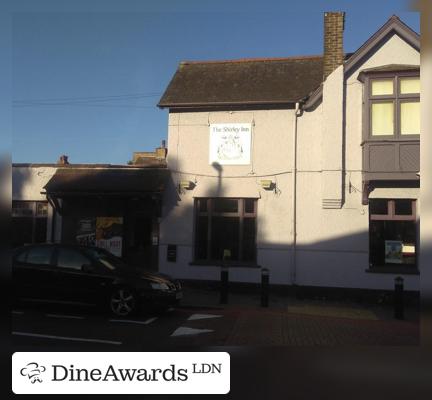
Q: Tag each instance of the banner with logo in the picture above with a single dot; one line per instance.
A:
(230, 144)
(109, 234)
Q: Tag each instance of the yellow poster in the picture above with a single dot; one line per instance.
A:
(109, 234)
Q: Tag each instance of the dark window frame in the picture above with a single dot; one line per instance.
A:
(397, 99)
(391, 212)
(210, 213)
(35, 215)
(391, 216)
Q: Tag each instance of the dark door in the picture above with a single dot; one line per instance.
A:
(140, 249)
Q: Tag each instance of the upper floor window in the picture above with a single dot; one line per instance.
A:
(394, 106)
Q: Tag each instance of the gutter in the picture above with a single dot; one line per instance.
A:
(297, 113)
(286, 103)
(313, 98)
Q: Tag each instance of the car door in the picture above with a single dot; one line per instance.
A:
(34, 274)
(77, 276)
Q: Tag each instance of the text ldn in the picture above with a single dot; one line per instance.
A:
(204, 368)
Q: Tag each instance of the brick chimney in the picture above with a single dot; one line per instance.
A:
(334, 23)
(63, 160)
(161, 152)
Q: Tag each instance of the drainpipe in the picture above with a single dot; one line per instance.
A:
(297, 113)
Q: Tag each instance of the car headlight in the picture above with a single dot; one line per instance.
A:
(159, 286)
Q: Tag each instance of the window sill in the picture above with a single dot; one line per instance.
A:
(386, 138)
(231, 264)
(403, 270)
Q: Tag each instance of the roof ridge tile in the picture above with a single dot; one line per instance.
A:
(257, 59)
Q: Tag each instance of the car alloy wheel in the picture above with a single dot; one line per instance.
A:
(122, 302)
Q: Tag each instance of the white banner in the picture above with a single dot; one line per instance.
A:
(120, 373)
(230, 144)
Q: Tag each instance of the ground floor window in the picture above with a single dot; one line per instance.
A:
(392, 232)
(29, 222)
(225, 226)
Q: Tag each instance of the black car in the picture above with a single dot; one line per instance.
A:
(72, 274)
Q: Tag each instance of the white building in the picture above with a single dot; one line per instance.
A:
(112, 206)
(33, 218)
(304, 165)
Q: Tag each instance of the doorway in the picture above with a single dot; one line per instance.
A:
(140, 251)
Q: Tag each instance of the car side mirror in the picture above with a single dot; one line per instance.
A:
(87, 268)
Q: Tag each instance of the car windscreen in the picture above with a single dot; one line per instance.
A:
(106, 259)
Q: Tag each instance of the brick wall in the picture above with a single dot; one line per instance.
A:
(333, 41)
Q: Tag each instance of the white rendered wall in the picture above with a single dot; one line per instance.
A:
(188, 154)
(27, 185)
(332, 244)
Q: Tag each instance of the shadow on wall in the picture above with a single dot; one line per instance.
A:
(21, 177)
(27, 184)
(173, 190)
(339, 260)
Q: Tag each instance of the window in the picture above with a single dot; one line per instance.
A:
(394, 106)
(21, 257)
(40, 255)
(71, 259)
(225, 226)
(105, 258)
(392, 232)
(29, 222)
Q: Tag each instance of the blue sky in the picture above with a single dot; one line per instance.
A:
(86, 76)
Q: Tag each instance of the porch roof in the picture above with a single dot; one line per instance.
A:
(106, 181)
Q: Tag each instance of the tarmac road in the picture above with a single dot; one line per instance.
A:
(67, 329)
(60, 328)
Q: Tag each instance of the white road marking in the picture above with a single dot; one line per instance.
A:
(195, 317)
(150, 320)
(17, 312)
(183, 330)
(63, 316)
(65, 338)
(146, 322)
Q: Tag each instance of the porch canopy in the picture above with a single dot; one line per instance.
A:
(69, 182)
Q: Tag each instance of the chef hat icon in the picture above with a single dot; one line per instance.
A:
(33, 371)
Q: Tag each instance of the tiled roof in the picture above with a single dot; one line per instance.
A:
(243, 82)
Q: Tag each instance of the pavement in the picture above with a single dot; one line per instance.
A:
(309, 322)
(202, 321)
(210, 297)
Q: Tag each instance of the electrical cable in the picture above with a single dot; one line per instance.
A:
(258, 176)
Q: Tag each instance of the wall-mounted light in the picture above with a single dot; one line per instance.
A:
(267, 184)
(185, 185)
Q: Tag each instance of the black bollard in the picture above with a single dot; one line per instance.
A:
(265, 275)
(399, 298)
(224, 285)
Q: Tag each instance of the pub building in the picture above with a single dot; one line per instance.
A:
(304, 165)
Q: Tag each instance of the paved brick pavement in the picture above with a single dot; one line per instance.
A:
(274, 327)
(294, 322)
